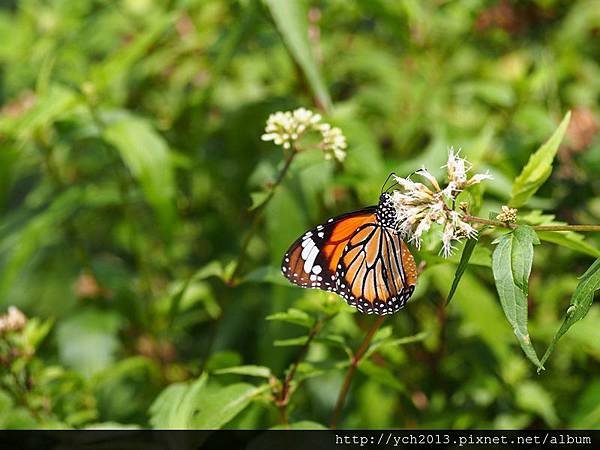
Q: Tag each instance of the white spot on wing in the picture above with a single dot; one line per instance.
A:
(316, 269)
(306, 241)
(307, 249)
(308, 263)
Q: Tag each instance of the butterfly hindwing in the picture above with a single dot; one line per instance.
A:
(376, 272)
(311, 261)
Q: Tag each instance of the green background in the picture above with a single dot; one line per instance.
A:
(130, 145)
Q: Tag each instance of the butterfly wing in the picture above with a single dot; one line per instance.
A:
(312, 259)
(376, 272)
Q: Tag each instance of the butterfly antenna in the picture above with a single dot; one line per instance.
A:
(392, 174)
(392, 186)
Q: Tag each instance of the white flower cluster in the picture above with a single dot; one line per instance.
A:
(13, 320)
(419, 206)
(284, 128)
(508, 215)
(333, 142)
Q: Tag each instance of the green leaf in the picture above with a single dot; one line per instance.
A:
(479, 308)
(112, 426)
(291, 19)
(185, 295)
(511, 264)
(294, 316)
(581, 302)
(174, 406)
(212, 269)
(334, 340)
(532, 397)
(587, 412)
(258, 199)
(493, 92)
(571, 240)
(88, 341)
(538, 168)
(222, 360)
(198, 405)
(116, 68)
(480, 256)
(462, 266)
(307, 370)
(382, 334)
(146, 154)
(8, 160)
(250, 370)
(176, 301)
(12, 416)
(36, 330)
(126, 387)
(381, 374)
(37, 234)
(267, 274)
(301, 425)
(49, 107)
(163, 411)
(388, 342)
(219, 405)
(292, 342)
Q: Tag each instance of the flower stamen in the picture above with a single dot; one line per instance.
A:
(418, 207)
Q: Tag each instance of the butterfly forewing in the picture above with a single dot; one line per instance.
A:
(311, 261)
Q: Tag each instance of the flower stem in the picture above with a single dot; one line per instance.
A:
(497, 223)
(283, 398)
(352, 368)
(258, 216)
(232, 279)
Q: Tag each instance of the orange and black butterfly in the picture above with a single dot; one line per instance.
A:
(358, 255)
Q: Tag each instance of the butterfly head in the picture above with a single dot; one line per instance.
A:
(386, 213)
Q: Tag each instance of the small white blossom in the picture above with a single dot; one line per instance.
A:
(418, 207)
(462, 229)
(457, 167)
(457, 174)
(479, 177)
(333, 142)
(13, 320)
(447, 238)
(286, 127)
(508, 215)
(425, 174)
(283, 128)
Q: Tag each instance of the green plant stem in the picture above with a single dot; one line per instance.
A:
(258, 216)
(355, 360)
(60, 186)
(125, 189)
(497, 223)
(231, 280)
(283, 399)
(19, 386)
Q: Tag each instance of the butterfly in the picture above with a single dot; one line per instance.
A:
(359, 256)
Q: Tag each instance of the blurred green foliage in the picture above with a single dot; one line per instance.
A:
(129, 149)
